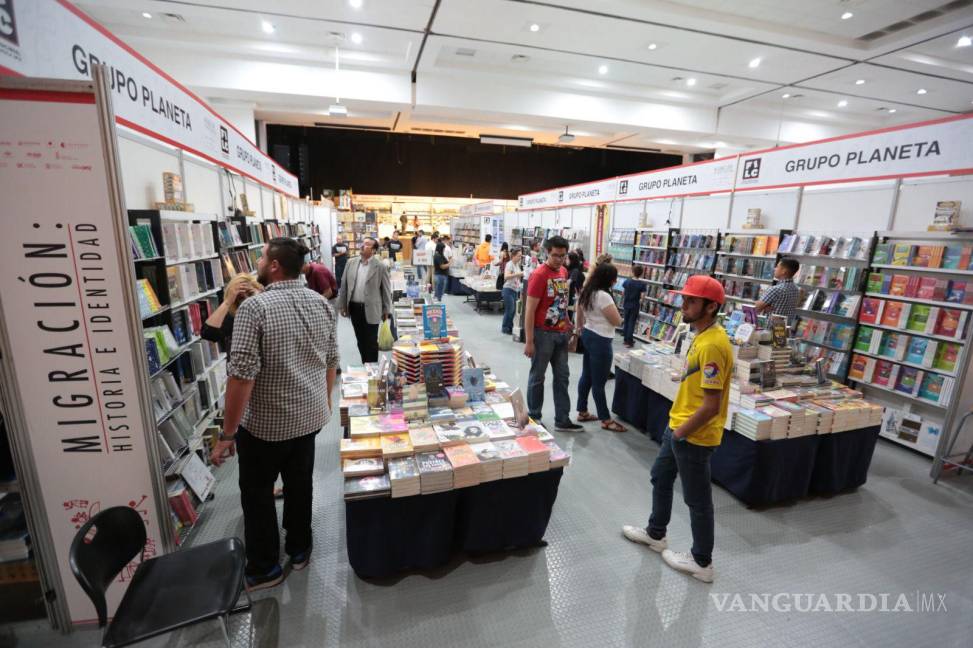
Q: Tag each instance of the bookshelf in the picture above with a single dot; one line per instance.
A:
(465, 230)
(745, 263)
(911, 351)
(181, 266)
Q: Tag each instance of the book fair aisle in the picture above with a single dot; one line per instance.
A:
(265, 378)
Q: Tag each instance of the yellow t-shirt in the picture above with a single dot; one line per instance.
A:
(709, 365)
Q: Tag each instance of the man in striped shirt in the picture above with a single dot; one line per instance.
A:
(783, 296)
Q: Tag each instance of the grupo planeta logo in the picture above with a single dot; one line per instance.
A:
(560, 196)
(224, 140)
(622, 187)
(751, 169)
(8, 22)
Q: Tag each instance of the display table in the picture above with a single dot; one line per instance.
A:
(386, 536)
(483, 296)
(760, 473)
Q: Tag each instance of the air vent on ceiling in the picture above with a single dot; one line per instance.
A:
(465, 51)
(916, 19)
(173, 18)
(717, 86)
(519, 58)
(351, 126)
(436, 131)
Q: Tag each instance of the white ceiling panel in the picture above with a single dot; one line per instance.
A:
(943, 56)
(884, 84)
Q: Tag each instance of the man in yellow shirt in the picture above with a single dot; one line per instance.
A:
(484, 256)
(695, 430)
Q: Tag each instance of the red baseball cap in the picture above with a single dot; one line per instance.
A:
(705, 287)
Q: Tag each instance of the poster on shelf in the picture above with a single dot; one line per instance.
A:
(929, 148)
(54, 39)
(67, 327)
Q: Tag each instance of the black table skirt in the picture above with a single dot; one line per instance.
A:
(455, 286)
(386, 536)
(842, 460)
(629, 401)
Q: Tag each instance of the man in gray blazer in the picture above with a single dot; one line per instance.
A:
(366, 297)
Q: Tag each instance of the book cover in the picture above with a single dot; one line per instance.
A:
(956, 292)
(882, 373)
(950, 323)
(916, 350)
(882, 254)
(902, 254)
(403, 468)
(473, 383)
(871, 310)
(863, 341)
(433, 462)
(363, 467)
(908, 380)
(918, 316)
(432, 376)
(434, 321)
(461, 456)
(362, 487)
(931, 387)
(874, 282)
(952, 254)
(898, 286)
(946, 356)
(856, 369)
(892, 345)
(896, 313)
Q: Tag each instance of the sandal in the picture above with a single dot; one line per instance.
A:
(614, 426)
(585, 417)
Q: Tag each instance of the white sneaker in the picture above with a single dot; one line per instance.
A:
(685, 562)
(640, 535)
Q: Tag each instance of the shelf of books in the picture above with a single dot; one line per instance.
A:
(465, 230)
(621, 245)
(831, 276)
(355, 226)
(181, 266)
(745, 265)
(911, 350)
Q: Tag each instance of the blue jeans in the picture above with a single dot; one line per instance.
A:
(595, 367)
(441, 286)
(550, 348)
(631, 318)
(509, 309)
(691, 463)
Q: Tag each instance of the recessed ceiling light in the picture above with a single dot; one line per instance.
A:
(786, 95)
(964, 41)
(842, 103)
(653, 46)
(535, 27)
(921, 91)
(860, 82)
(602, 69)
(355, 4)
(690, 82)
(891, 110)
(146, 14)
(356, 38)
(754, 63)
(268, 27)
(847, 15)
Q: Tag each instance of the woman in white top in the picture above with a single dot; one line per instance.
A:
(597, 317)
(513, 276)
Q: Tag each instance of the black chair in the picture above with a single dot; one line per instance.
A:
(166, 592)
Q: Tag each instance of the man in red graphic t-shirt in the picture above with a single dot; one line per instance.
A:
(548, 329)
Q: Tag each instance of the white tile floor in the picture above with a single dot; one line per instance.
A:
(589, 587)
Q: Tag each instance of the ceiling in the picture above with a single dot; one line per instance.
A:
(678, 75)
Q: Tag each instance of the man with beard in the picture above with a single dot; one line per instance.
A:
(695, 430)
(278, 396)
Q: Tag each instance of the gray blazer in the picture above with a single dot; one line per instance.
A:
(378, 289)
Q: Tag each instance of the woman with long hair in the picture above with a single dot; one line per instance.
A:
(218, 327)
(596, 318)
(513, 279)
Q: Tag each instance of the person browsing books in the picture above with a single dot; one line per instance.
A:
(365, 296)
(440, 266)
(547, 331)
(783, 296)
(513, 279)
(695, 430)
(278, 397)
(320, 280)
(632, 291)
(218, 327)
(596, 318)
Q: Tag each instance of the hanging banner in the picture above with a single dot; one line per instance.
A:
(697, 179)
(589, 193)
(929, 148)
(67, 325)
(54, 39)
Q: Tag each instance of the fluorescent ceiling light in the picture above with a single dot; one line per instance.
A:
(842, 103)
(921, 91)
(534, 27)
(786, 95)
(964, 41)
(860, 82)
(754, 63)
(268, 27)
(690, 82)
(653, 46)
(847, 15)
(356, 38)
(355, 4)
(506, 141)
(146, 14)
(891, 110)
(602, 69)
(337, 110)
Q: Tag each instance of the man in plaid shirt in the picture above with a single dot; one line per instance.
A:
(278, 397)
(783, 296)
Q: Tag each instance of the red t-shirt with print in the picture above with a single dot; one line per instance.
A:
(551, 287)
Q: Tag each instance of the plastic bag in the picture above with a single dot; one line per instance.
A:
(385, 338)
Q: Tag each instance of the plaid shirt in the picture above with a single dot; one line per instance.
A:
(284, 339)
(783, 297)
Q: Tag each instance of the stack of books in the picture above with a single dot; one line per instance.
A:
(514, 459)
(424, 439)
(364, 426)
(415, 404)
(558, 457)
(404, 477)
(447, 354)
(407, 358)
(357, 488)
(781, 420)
(825, 417)
(396, 445)
(362, 467)
(752, 424)
(466, 466)
(435, 472)
(365, 447)
(457, 396)
(460, 432)
(538, 454)
(491, 464)
(498, 430)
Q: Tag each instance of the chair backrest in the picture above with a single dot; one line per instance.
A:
(101, 548)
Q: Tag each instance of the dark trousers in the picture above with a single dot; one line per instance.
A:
(365, 333)
(595, 367)
(339, 269)
(260, 463)
(509, 310)
(691, 463)
(550, 348)
(631, 318)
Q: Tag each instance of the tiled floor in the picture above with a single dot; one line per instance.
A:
(589, 587)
